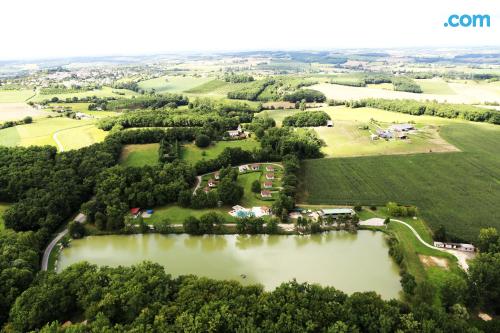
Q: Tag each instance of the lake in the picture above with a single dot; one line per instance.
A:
(349, 262)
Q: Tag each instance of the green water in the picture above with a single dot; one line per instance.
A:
(349, 262)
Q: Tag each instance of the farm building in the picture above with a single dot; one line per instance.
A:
(456, 246)
(238, 133)
(373, 137)
(329, 123)
(336, 212)
(384, 134)
(402, 136)
(269, 176)
(135, 211)
(266, 194)
(402, 127)
(268, 184)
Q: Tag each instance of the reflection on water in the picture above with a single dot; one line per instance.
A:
(350, 262)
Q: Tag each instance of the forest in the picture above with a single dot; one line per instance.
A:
(307, 119)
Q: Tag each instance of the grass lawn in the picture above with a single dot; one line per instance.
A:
(193, 154)
(445, 187)
(41, 132)
(251, 199)
(103, 92)
(3, 207)
(140, 155)
(176, 214)
(173, 84)
(15, 96)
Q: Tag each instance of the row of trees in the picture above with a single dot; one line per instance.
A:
(406, 84)
(307, 119)
(145, 298)
(306, 95)
(148, 102)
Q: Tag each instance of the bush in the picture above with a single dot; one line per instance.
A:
(202, 140)
(256, 186)
(27, 120)
(358, 208)
(76, 229)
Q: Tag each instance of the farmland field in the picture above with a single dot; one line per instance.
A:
(462, 92)
(193, 154)
(15, 96)
(17, 111)
(435, 86)
(41, 132)
(173, 84)
(140, 155)
(103, 92)
(81, 136)
(459, 190)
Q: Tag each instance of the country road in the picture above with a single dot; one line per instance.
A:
(48, 250)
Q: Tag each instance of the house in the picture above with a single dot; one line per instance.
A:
(233, 134)
(268, 184)
(217, 175)
(269, 176)
(212, 183)
(269, 168)
(135, 211)
(329, 123)
(455, 246)
(384, 134)
(80, 218)
(402, 127)
(265, 210)
(401, 135)
(266, 194)
(243, 168)
(336, 212)
(255, 167)
(373, 137)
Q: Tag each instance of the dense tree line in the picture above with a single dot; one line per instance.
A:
(120, 188)
(307, 119)
(145, 298)
(307, 95)
(250, 92)
(148, 102)
(443, 110)
(169, 151)
(238, 78)
(406, 84)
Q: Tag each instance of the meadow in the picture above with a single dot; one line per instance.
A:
(172, 84)
(41, 132)
(18, 111)
(15, 96)
(191, 153)
(459, 190)
(140, 155)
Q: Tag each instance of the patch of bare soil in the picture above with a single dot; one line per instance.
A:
(430, 261)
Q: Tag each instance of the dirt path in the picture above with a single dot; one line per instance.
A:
(56, 133)
(462, 257)
(48, 250)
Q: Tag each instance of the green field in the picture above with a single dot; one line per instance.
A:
(460, 190)
(104, 92)
(251, 199)
(3, 207)
(172, 84)
(41, 132)
(15, 96)
(176, 214)
(140, 155)
(435, 86)
(208, 87)
(193, 154)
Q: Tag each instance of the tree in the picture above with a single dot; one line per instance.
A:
(256, 186)
(202, 140)
(27, 120)
(229, 192)
(489, 240)
(272, 226)
(184, 199)
(484, 280)
(424, 292)
(408, 283)
(440, 234)
(191, 225)
(76, 229)
(453, 290)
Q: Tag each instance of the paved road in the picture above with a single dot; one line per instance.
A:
(462, 257)
(48, 250)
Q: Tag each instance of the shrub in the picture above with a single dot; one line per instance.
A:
(202, 140)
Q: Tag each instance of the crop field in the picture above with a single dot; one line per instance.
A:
(435, 86)
(41, 132)
(104, 92)
(459, 190)
(210, 87)
(140, 155)
(15, 96)
(17, 111)
(193, 154)
(469, 93)
(173, 84)
(81, 136)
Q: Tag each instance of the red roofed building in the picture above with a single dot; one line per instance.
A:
(268, 184)
(266, 194)
(135, 211)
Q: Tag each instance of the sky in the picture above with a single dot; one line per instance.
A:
(31, 29)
